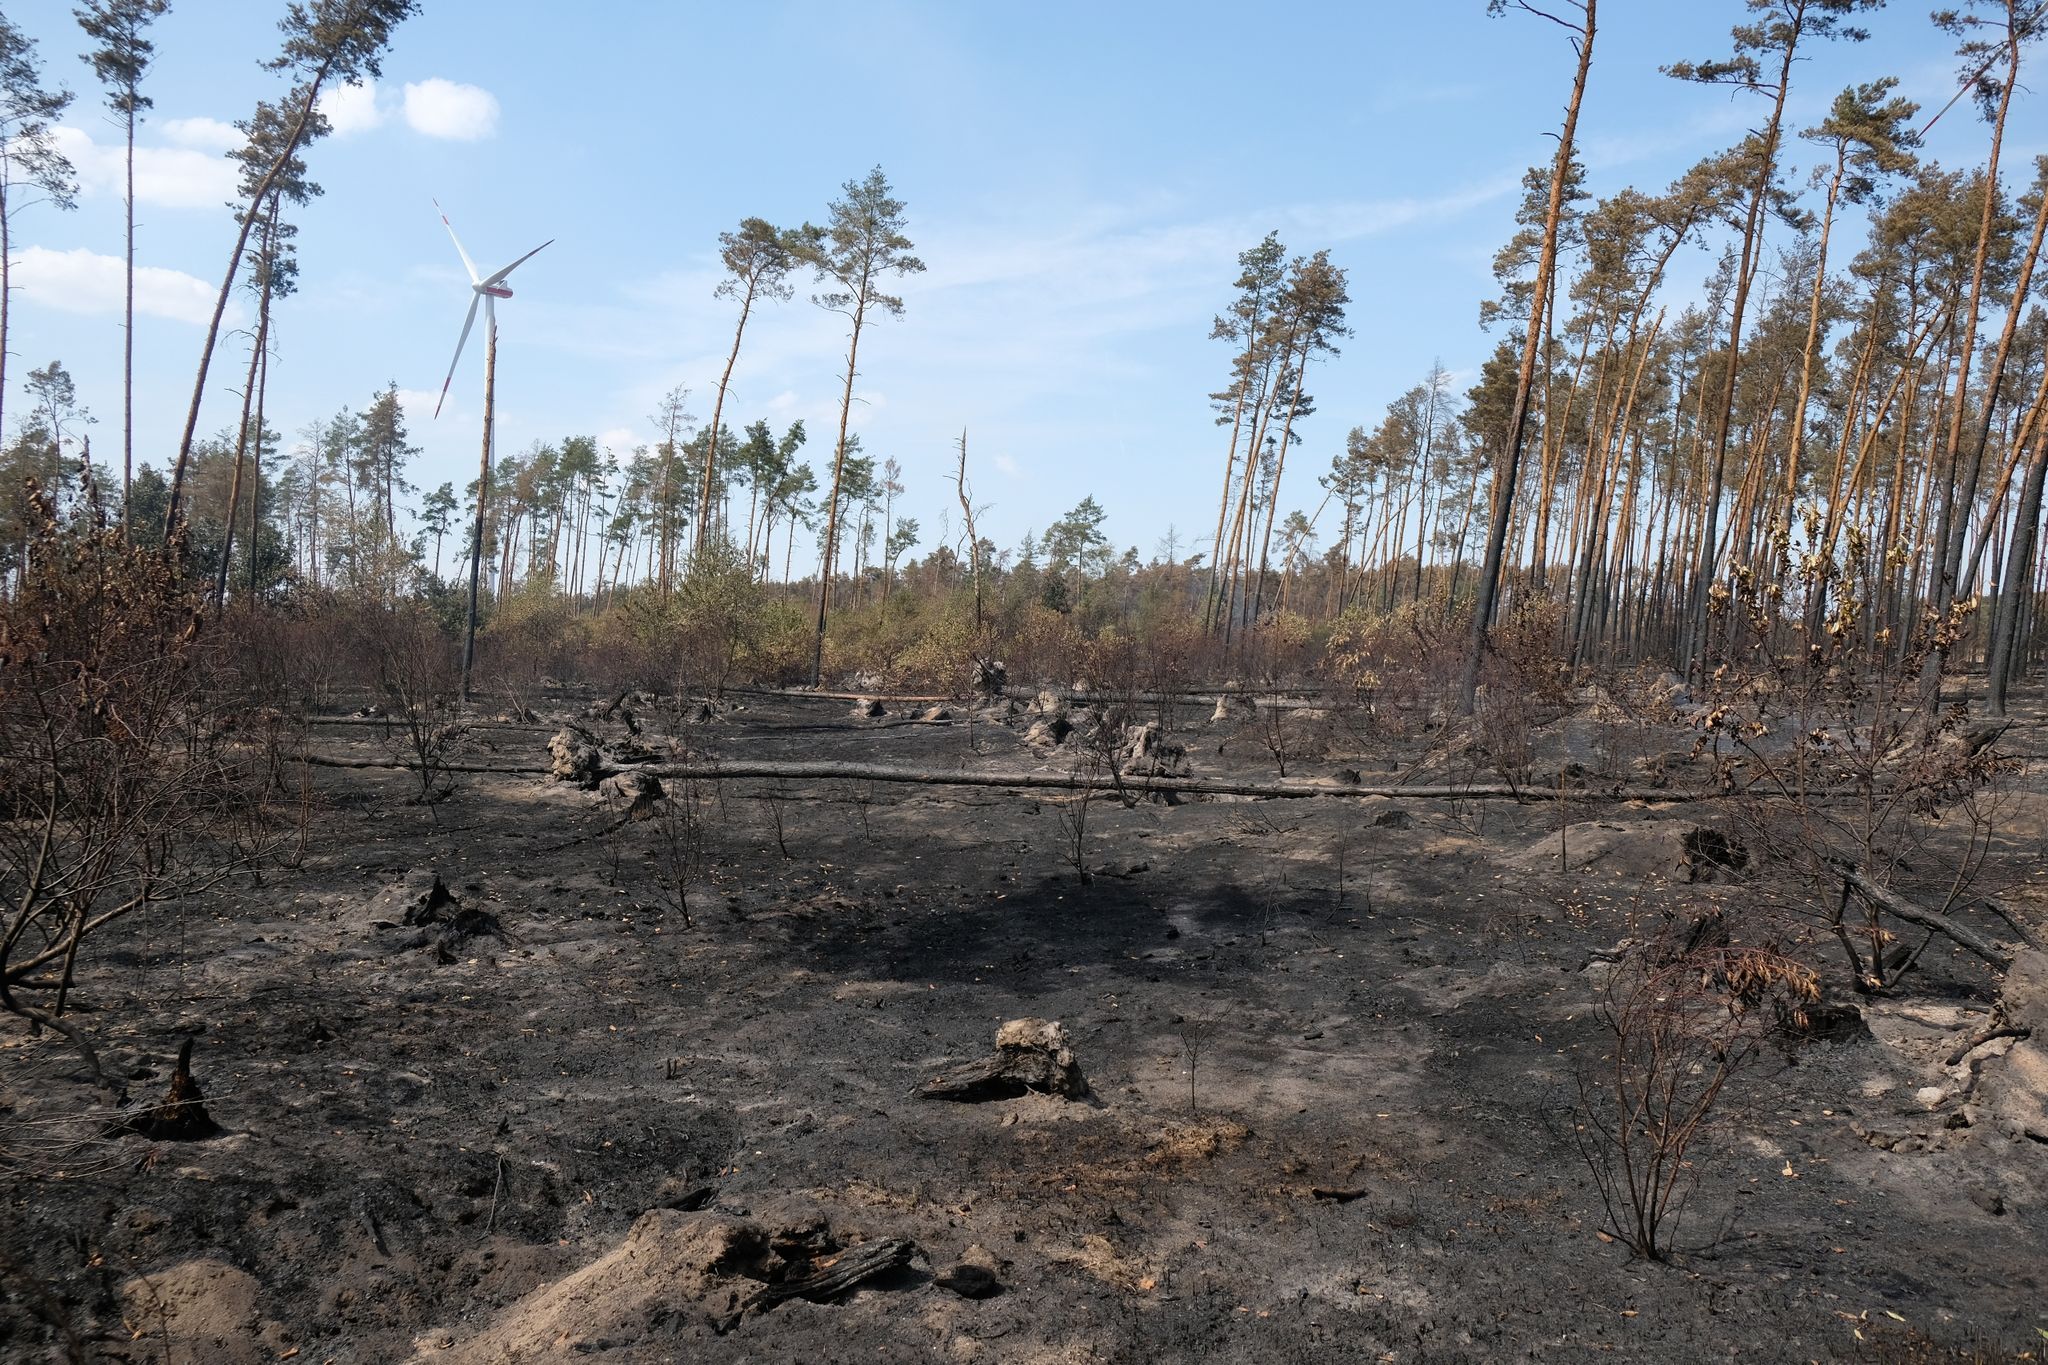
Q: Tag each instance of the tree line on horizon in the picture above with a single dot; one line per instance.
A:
(1846, 429)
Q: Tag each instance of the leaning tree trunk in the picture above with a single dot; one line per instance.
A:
(227, 285)
(1813, 310)
(6, 289)
(234, 509)
(718, 407)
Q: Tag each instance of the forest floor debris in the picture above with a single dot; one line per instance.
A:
(1330, 1045)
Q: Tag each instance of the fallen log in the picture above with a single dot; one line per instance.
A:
(725, 769)
(320, 761)
(806, 694)
(1294, 788)
(398, 723)
(1193, 696)
(1892, 903)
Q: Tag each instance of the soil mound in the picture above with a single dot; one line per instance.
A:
(2016, 1086)
(677, 1277)
(1673, 850)
(202, 1310)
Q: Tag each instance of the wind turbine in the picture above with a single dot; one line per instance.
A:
(486, 291)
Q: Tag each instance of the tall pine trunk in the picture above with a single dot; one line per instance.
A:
(1518, 421)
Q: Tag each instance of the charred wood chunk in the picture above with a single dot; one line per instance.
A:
(1031, 1056)
(181, 1115)
(970, 1281)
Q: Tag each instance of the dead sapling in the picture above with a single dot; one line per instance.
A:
(1194, 1035)
(1273, 730)
(679, 831)
(774, 801)
(420, 687)
(1341, 846)
(1683, 1016)
(1072, 813)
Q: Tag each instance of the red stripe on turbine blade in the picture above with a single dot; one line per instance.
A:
(498, 291)
(444, 394)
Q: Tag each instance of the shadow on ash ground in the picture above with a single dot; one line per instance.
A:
(541, 1150)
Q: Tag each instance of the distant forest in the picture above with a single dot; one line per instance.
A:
(1839, 447)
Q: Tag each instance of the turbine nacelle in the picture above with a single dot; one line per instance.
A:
(483, 290)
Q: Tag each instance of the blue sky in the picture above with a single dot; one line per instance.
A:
(1079, 179)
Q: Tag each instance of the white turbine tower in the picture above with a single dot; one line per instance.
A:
(487, 291)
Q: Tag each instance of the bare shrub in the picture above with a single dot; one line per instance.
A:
(1682, 1019)
(1504, 721)
(1524, 653)
(1194, 1035)
(1846, 778)
(679, 832)
(1168, 653)
(118, 790)
(1072, 813)
(419, 681)
(1282, 647)
(1273, 730)
(943, 654)
(1389, 670)
(533, 636)
(1043, 646)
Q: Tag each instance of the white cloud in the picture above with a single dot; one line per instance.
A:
(202, 134)
(1005, 465)
(177, 177)
(352, 108)
(84, 281)
(418, 401)
(620, 442)
(447, 109)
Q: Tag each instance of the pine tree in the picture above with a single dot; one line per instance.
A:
(30, 164)
(862, 243)
(120, 61)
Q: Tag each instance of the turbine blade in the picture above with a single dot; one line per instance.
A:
(460, 342)
(466, 264)
(516, 264)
